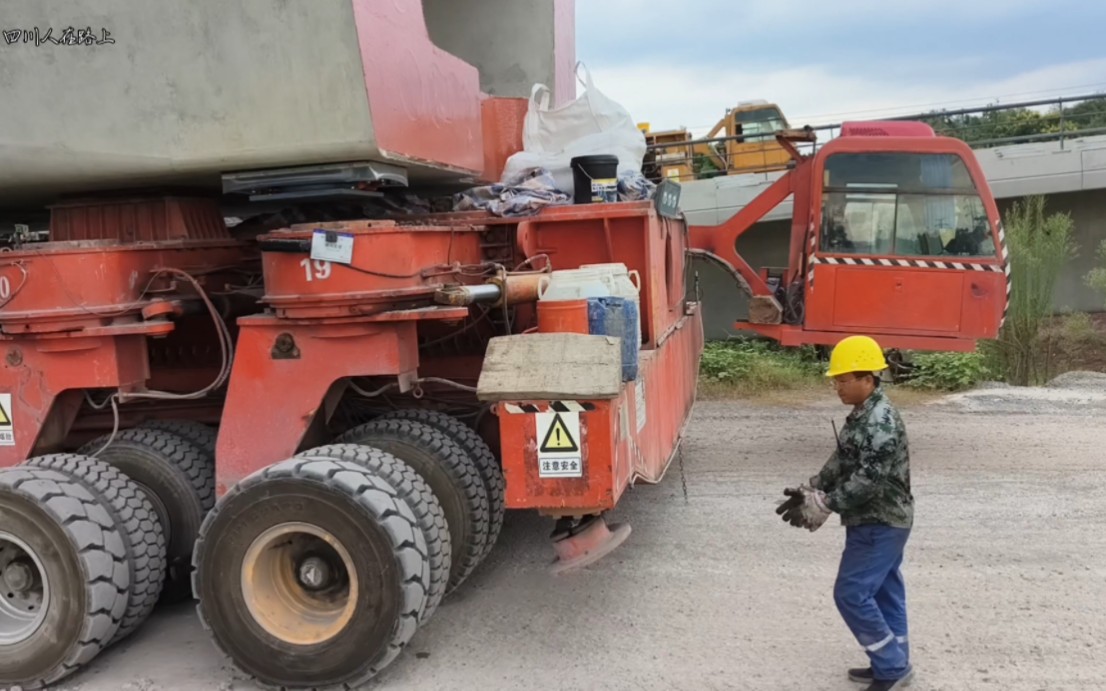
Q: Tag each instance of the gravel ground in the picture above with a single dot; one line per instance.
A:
(1005, 571)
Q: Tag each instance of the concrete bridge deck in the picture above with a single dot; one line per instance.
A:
(1018, 170)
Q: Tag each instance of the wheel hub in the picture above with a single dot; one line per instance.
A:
(315, 573)
(24, 590)
(18, 576)
(299, 584)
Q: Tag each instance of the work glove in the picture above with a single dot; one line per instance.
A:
(814, 509)
(804, 507)
(790, 510)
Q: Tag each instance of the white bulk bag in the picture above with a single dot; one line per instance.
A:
(592, 124)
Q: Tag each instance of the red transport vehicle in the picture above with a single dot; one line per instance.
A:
(314, 421)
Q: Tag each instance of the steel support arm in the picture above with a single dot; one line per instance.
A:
(721, 240)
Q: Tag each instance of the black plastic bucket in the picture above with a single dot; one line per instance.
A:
(595, 179)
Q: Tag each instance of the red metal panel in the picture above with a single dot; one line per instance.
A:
(526, 489)
(633, 436)
(795, 336)
(138, 220)
(886, 128)
(502, 127)
(802, 223)
(668, 379)
(36, 372)
(273, 399)
(391, 265)
(722, 239)
(67, 285)
(628, 439)
(903, 301)
(79, 312)
(630, 233)
(870, 297)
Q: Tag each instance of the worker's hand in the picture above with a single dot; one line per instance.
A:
(790, 510)
(814, 509)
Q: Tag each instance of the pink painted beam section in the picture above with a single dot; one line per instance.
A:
(424, 101)
(564, 50)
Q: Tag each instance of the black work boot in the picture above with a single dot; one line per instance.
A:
(878, 685)
(861, 674)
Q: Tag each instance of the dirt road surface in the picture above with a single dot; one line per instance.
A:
(1006, 571)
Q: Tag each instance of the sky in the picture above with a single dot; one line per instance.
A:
(824, 62)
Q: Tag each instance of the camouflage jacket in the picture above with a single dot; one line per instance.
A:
(867, 479)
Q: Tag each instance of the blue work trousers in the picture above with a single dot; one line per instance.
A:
(871, 596)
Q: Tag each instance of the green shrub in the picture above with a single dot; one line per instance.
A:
(1077, 327)
(1040, 246)
(754, 366)
(1096, 277)
(1072, 342)
(948, 371)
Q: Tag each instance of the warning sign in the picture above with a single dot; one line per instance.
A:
(559, 445)
(558, 438)
(7, 429)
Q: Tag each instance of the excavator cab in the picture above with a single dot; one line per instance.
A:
(746, 143)
(895, 234)
(752, 147)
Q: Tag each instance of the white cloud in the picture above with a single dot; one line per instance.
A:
(696, 97)
(779, 17)
(784, 30)
(850, 12)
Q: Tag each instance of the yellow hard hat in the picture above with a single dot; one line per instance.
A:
(856, 354)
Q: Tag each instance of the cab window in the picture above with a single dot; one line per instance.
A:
(759, 125)
(903, 204)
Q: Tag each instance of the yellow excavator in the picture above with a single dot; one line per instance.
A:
(743, 141)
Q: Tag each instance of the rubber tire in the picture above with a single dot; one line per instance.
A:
(418, 495)
(198, 433)
(490, 469)
(450, 473)
(136, 521)
(181, 478)
(364, 513)
(83, 555)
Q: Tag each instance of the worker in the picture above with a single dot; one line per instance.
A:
(867, 482)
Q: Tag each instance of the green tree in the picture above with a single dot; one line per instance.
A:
(1087, 115)
(1020, 122)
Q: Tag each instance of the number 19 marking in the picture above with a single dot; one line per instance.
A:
(316, 270)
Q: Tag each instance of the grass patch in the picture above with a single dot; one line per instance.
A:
(747, 368)
(768, 374)
(941, 371)
(905, 397)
